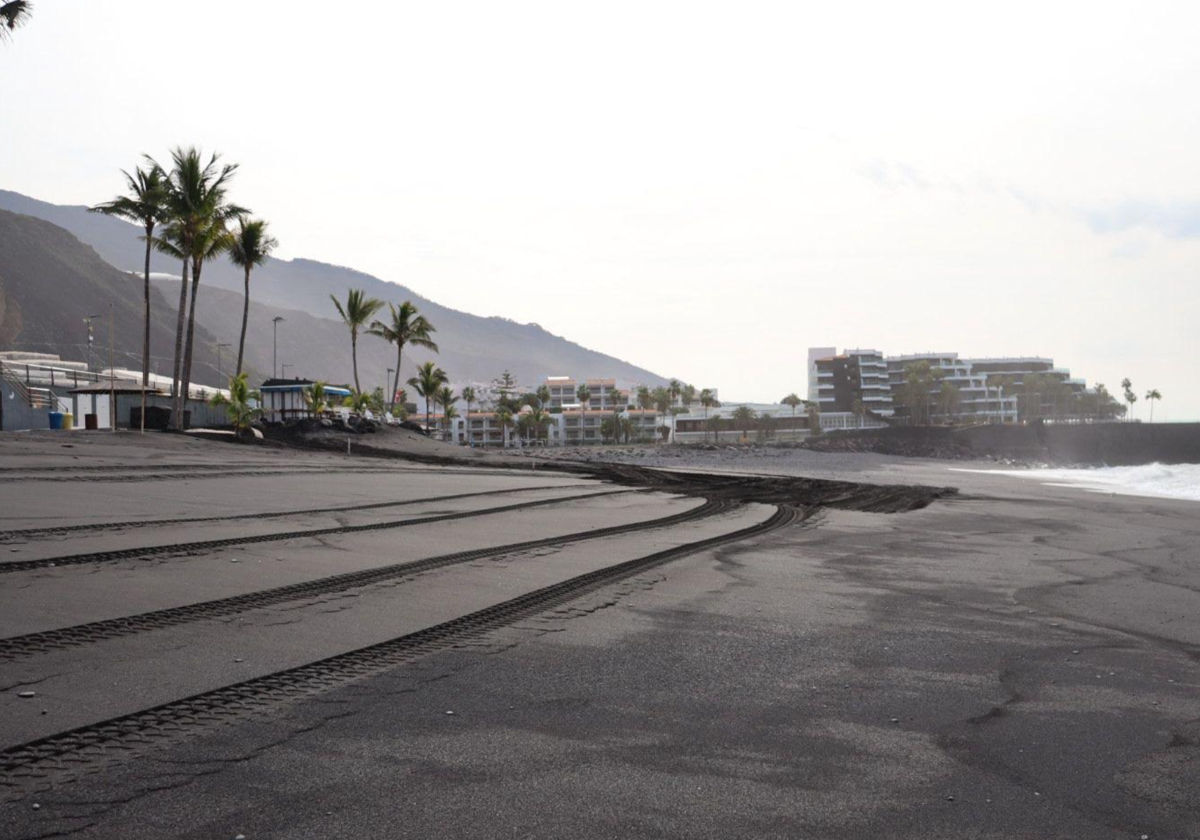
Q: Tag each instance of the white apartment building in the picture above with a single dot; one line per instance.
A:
(564, 392)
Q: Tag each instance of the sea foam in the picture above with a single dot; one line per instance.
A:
(1168, 481)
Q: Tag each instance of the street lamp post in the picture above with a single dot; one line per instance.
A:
(87, 319)
(275, 342)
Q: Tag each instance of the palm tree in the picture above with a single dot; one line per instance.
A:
(406, 327)
(357, 402)
(584, 394)
(504, 418)
(1151, 397)
(713, 424)
(539, 420)
(627, 428)
(743, 415)
(212, 241)
(675, 387)
(813, 408)
(543, 395)
(314, 395)
(250, 246)
(619, 402)
(238, 405)
(794, 401)
(198, 209)
(687, 396)
(662, 399)
(356, 313)
(13, 13)
(449, 413)
(145, 205)
(708, 401)
(1130, 396)
(859, 410)
(428, 380)
(446, 397)
(468, 395)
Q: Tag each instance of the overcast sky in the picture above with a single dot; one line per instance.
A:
(705, 190)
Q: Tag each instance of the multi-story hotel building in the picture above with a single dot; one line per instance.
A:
(564, 392)
(853, 382)
(984, 389)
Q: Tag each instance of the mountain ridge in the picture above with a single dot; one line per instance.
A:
(474, 347)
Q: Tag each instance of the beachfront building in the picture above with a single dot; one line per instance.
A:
(989, 390)
(283, 399)
(851, 389)
(564, 393)
(727, 424)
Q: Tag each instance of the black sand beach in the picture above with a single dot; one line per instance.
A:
(503, 649)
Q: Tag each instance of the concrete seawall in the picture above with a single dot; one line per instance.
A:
(1111, 444)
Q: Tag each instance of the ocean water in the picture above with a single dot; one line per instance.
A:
(1168, 481)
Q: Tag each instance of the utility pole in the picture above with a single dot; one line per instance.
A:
(112, 367)
(275, 343)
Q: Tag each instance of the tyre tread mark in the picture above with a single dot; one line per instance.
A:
(30, 644)
(91, 747)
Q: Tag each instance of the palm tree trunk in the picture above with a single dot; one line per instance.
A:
(354, 357)
(245, 318)
(396, 384)
(146, 331)
(179, 324)
(186, 380)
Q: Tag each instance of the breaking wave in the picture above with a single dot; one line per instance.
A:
(1168, 481)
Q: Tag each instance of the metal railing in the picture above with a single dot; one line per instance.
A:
(30, 395)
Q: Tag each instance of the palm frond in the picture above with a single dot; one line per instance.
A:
(14, 13)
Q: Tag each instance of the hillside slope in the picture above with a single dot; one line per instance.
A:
(50, 281)
(320, 348)
(473, 347)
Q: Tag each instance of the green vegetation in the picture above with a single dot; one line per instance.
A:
(199, 212)
(446, 396)
(356, 313)
(13, 13)
(427, 382)
(793, 401)
(250, 246)
(145, 205)
(584, 394)
(357, 401)
(242, 404)
(406, 326)
(504, 418)
(1130, 396)
(662, 398)
(1153, 396)
(314, 396)
(743, 418)
(708, 401)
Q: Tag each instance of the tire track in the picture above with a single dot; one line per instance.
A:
(208, 545)
(194, 475)
(40, 763)
(32, 644)
(54, 530)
